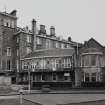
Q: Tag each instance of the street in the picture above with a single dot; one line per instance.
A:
(53, 99)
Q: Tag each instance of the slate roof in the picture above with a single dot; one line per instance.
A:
(93, 43)
(51, 53)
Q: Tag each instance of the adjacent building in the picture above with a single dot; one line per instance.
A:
(91, 62)
(8, 25)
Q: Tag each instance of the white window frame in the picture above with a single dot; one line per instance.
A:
(29, 38)
(25, 66)
(57, 44)
(47, 43)
(17, 65)
(5, 22)
(62, 45)
(28, 50)
(8, 51)
(39, 41)
(12, 24)
(17, 39)
(17, 52)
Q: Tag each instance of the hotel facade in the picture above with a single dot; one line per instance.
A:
(45, 59)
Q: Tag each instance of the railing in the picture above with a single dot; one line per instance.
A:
(47, 70)
(4, 71)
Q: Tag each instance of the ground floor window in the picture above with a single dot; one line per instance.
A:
(33, 78)
(38, 78)
(43, 77)
(90, 77)
(93, 77)
(60, 77)
(46, 77)
(54, 77)
(87, 77)
(66, 76)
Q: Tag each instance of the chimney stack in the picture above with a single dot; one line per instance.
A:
(34, 34)
(42, 29)
(52, 31)
(69, 39)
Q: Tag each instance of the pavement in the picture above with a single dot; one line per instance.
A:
(62, 92)
(27, 92)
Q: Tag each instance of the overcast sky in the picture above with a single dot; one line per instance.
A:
(80, 19)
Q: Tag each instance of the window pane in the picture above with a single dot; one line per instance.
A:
(86, 77)
(39, 41)
(17, 39)
(93, 77)
(54, 76)
(8, 51)
(8, 65)
(93, 60)
(28, 50)
(17, 52)
(29, 38)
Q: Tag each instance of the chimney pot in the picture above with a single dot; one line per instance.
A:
(52, 31)
(34, 20)
(42, 29)
(69, 39)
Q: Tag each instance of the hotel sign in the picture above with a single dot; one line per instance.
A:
(66, 74)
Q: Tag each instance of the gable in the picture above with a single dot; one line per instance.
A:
(92, 44)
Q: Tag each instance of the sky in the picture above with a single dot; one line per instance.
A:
(79, 19)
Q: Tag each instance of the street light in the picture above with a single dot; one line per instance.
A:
(29, 81)
(21, 96)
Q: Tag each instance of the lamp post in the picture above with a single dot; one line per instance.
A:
(29, 80)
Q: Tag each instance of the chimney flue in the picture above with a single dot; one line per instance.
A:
(69, 39)
(42, 29)
(52, 31)
(34, 33)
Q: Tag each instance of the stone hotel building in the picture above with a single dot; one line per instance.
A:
(45, 59)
